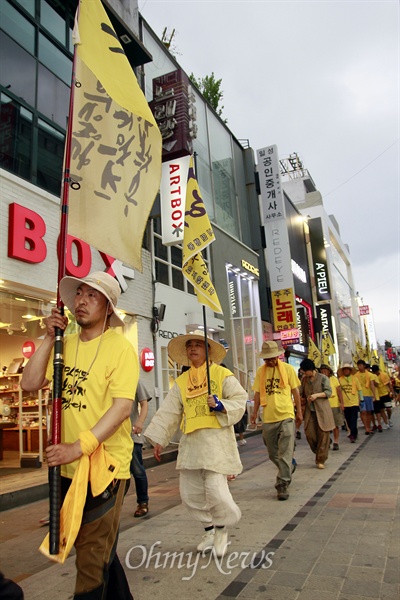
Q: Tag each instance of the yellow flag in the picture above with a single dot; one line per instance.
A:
(382, 366)
(314, 354)
(360, 351)
(197, 235)
(367, 344)
(115, 146)
(374, 358)
(328, 347)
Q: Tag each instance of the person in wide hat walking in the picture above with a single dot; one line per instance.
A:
(207, 449)
(276, 388)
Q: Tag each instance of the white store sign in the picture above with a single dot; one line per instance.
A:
(173, 198)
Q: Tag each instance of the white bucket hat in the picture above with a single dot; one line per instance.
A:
(98, 280)
(177, 348)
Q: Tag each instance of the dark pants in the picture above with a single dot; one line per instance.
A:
(100, 575)
(351, 416)
(139, 474)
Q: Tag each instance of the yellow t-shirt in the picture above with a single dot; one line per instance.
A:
(383, 388)
(349, 397)
(334, 399)
(279, 400)
(375, 392)
(114, 374)
(365, 382)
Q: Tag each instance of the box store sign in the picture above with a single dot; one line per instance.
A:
(26, 242)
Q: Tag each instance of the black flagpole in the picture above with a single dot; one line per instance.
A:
(58, 362)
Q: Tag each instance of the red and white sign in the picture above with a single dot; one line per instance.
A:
(364, 310)
(26, 233)
(28, 349)
(147, 359)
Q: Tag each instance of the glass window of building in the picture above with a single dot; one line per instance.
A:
(226, 215)
(17, 26)
(168, 261)
(34, 96)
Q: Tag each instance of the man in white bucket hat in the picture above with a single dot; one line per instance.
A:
(276, 385)
(207, 449)
(99, 381)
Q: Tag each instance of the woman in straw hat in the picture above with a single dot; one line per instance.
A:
(207, 449)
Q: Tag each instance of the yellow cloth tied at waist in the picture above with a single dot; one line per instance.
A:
(283, 380)
(197, 413)
(95, 465)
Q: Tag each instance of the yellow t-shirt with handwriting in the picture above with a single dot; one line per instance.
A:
(114, 374)
(279, 400)
(334, 399)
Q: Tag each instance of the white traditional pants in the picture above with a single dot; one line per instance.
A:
(207, 497)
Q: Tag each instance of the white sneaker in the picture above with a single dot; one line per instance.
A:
(220, 541)
(390, 424)
(384, 426)
(242, 442)
(207, 541)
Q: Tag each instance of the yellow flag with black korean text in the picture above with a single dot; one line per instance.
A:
(360, 351)
(115, 146)
(314, 354)
(327, 347)
(197, 235)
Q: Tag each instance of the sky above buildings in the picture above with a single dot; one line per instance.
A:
(321, 79)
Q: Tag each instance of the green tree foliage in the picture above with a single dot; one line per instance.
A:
(210, 87)
(388, 344)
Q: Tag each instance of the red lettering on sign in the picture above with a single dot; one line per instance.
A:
(26, 232)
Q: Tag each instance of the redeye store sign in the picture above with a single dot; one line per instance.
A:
(173, 197)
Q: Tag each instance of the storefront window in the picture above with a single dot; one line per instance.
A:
(245, 314)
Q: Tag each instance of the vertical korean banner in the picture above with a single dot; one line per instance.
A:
(278, 256)
(116, 144)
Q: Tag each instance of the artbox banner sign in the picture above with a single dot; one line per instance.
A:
(173, 197)
(319, 259)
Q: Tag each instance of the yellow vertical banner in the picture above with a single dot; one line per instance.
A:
(283, 307)
(115, 158)
(314, 354)
(197, 235)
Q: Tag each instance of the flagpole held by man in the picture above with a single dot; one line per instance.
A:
(112, 170)
(100, 377)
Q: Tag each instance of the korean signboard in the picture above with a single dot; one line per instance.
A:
(173, 109)
(319, 259)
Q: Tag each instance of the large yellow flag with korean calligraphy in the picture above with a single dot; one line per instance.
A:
(314, 354)
(197, 235)
(115, 146)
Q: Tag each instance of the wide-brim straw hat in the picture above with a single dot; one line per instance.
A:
(327, 367)
(346, 366)
(100, 281)
(177, 348)
(271, 349)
